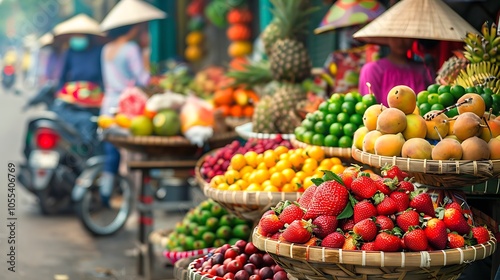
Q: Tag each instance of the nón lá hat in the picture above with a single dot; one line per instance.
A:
(46, 39)
(127, 12)
(418, 19)
(79, 24)
(346, 13)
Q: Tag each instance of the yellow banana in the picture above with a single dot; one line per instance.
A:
(493, 60)
(495, 42)
(469, 49)
(493, 31)
(485, 30)
(478, 51)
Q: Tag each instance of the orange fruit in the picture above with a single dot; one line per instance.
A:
(232, 176)
(316, 153)
(296, 182)
(242, 183)
(271, 188)
(104, 121)
(308, 183)
(288, 188)
(289, 174)
(193, 53)
(239, 48)
(278, 179)
(296, 160)
(222, 186)
(301, 175)
(238, 162)
(248, 111)
(326, 164)
(234, 187)
(246, 169)
(254, 188)
(338, 168)
(262, 165)
(282, 165)
(122, 120)
(270, 158)
(194, 38)
(148, 113)
(251, 158)
(281, 150)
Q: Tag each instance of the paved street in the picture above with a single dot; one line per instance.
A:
(58, 247)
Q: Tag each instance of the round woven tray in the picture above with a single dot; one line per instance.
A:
(233, 122)
(248, 205)
(329, 151)
(438, 173)
(175, 146)
(181, 268)
(306, 262)
(245, 131)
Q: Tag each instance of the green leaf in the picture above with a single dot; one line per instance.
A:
(347, 212)
(330, 176)
(317, 181)
(352, 200)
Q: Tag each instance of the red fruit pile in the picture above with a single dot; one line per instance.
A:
(241, 261)
(217, 163)
(360, 211)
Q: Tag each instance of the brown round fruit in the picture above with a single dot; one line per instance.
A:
(476, 106)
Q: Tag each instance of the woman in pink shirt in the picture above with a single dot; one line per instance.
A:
(394, 69)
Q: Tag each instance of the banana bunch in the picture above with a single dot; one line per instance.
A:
(485, 74)
(484, 46)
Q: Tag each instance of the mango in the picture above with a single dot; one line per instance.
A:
(415, 127)
(389, 145)
(369, 141)
(467, 125)
(371, 115)
(494, 146)
(403, 98)
(475, 148)
(359, 136)
(417, 148)
(476, 106)
(391, 121)
(440, 123)
(447, 149)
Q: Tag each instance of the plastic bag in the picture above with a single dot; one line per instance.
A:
(132, 102)
(196, 112)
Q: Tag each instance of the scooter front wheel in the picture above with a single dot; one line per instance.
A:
(100, 219)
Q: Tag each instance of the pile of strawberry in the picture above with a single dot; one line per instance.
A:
(354, 211)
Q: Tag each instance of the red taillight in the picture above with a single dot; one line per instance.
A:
(8, 70)
(46, 138)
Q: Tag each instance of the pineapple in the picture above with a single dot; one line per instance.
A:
(290, 61)
(263, 119)
(269, 35)
(252, 74)
(283, 107)
(450, 70)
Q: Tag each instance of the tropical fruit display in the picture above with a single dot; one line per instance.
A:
(239, 261)
(400, 131)
(239, 32)
(235, 102)
(358, 211)
(217, 163)
(275, 170)
(205, 226)
(335, 121)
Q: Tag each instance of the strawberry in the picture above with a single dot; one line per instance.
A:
(404, 174)
(277, 236)
(392, 171)
(299, 231)
(385, 204)
(406, 186)
(436, 233)
(349, 174)
(366, 229)
(455, 240)
(455, 205)
(387, 242)
(402, 200)
(407, 219)
(481, 234)
(415, 239)
(314, 241)
(384, 223)
(306, 197)
(291, 212)
(350, 243)
(385, 185)
(324, 225)
(268, 212)
(364, 209)
(333, 240)
(363, 187)
(347, 224)
(270, 224)
(455, 221)
(330, 198)
(422, 202)
(368, 246)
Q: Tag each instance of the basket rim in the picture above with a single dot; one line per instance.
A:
(197, 169)
(329, 151)
(260, 198)
(479, 167)
(171, 141)
(243, 132)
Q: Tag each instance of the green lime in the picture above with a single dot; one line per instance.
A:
(319, 115)
(495, 98)
(496, 109)
(446, 99)
(357, 95)
(334, 107)
(330, 118)
(471, 90)
(451, 113)
(424, 108)
(349, 107)
(205, 205)
(488, 100)
(356, 119)
(307, 124)
(312, 117)
(433, 98)
(488, 91)
(212, 223)
(337, 97)
(323, 107)
(343, 118)
(318, 139)
(437, 106)
(331, 141)
(457, 91)
(479, 89)
(219, 242)
(433, 88)
(360, 108)
(204, 216)
(307, 137)
(422, 97)
(226, 220)
(217, 210)
(199, 231)
(298, 132)
(320, 127)
(345, 142)
(189, 243)
(336, 129)
(349, 129)
(209, 238)
(369, 99)
(241, 231)
(350, 97)
(224, 232)
(443, 89)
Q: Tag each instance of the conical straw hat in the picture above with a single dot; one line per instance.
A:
(79, 24)
(128, 12)
(418, 19)
(346, 13)
(46, 39)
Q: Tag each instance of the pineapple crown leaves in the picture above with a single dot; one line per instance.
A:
(291, 16)
(253, 73)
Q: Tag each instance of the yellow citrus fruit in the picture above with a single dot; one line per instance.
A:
(242, 183)
(308, 183)
(104, 121)
(194, 38)
(238, 162)
(282, 165)
(239, 48)
(261, 175)
(296, 182)
(316, 153)
(122, 120)
(326, 164)
(222, 186)
(336, 161)
(301, 175)
(262, 165)
(271, 188)
(234, 187)
(270, 158)
(245, 170)
(338, 168)
(289, 174)
(296, 160)
(288, 188)
(253, 187)
(284, 156)
(281, 150)
(251, 158)
(278, 179)
(193, 53)
(217, 179)
(232, 176)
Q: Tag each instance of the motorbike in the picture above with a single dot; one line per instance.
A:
(8, 76)
(63, 170)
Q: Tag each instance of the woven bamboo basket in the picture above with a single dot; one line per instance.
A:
(312, 262)
(174, 146)
(437, 173)
(181, 268)
(329, 151)
(248, 205)
(197, 169)
(245, 131)
(234, 122)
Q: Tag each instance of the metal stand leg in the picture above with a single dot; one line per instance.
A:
(145, 226)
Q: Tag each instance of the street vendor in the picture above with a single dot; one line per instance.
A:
(122, 66)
